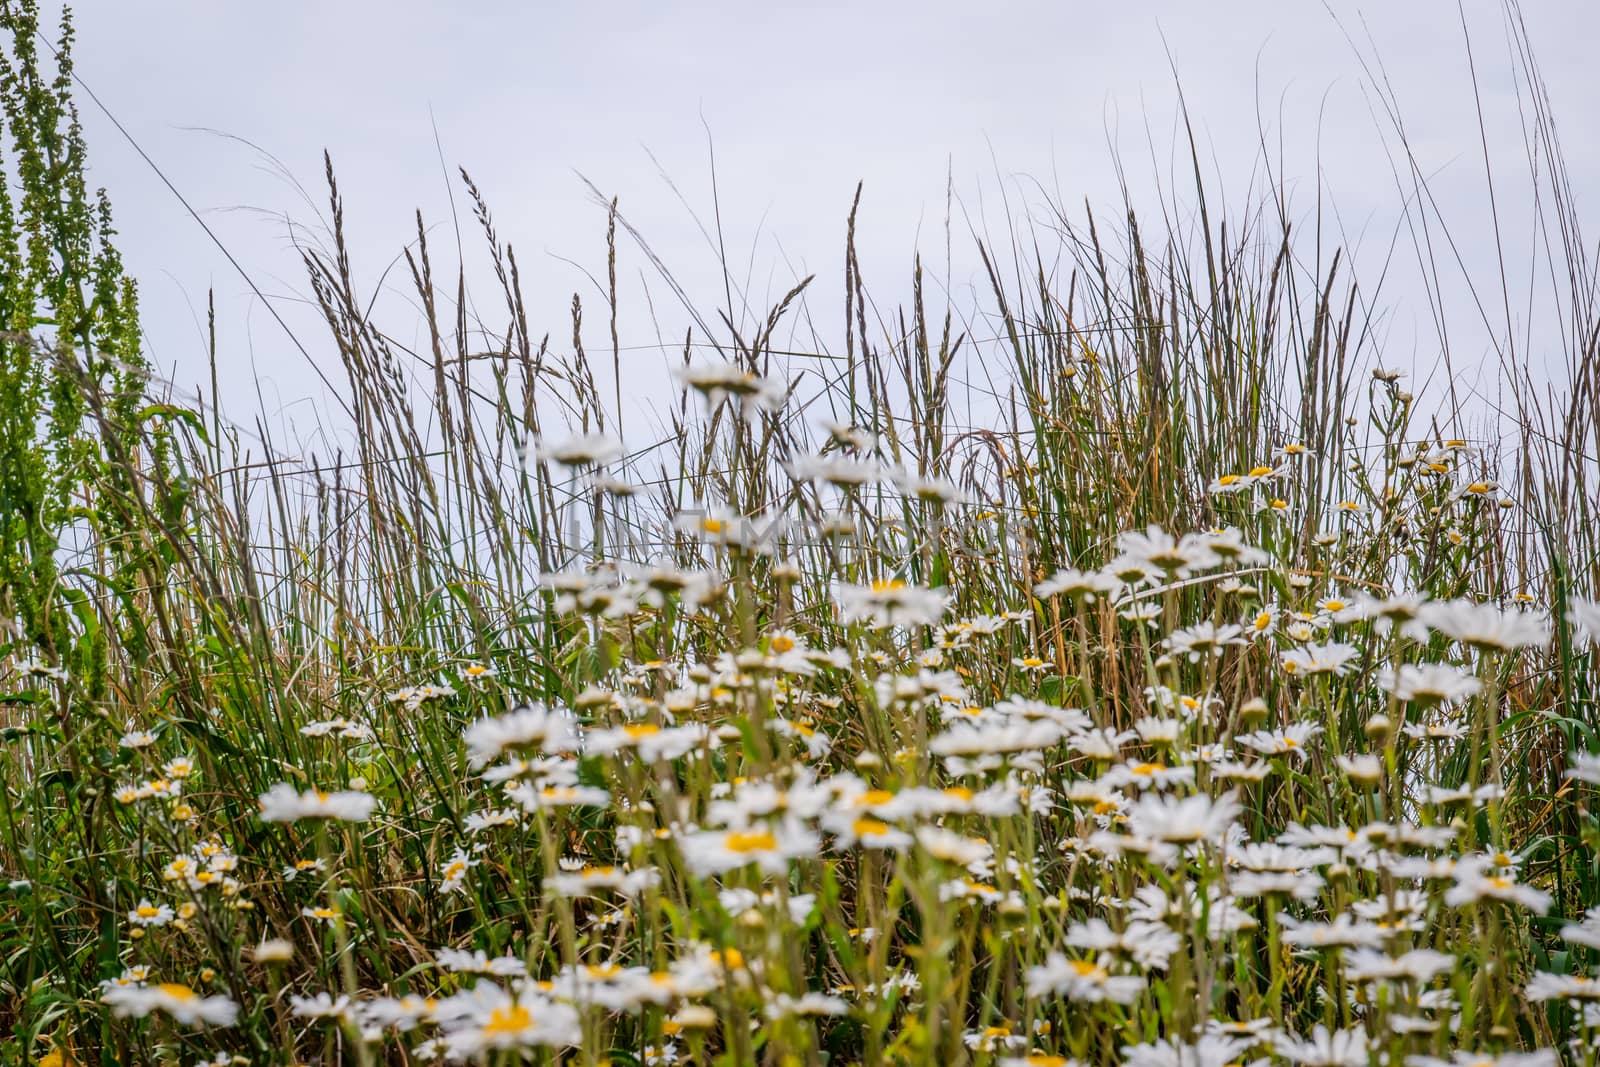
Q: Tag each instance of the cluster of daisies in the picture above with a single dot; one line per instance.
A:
(1183, 809)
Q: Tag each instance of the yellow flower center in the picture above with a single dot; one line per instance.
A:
(782, 643)
(176, 991)
(641, 729)
(1087, 969)
(745, 841)
(869, 828)
(512, 1020)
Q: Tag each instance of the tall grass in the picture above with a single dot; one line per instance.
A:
(192, 590)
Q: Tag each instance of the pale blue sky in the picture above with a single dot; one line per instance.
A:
(802, 100)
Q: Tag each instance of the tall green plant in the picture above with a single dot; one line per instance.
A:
(69, 314)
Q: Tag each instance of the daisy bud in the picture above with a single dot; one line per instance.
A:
(696, 1017)
(1363, 770)
(274, 950)
(868, 761)
(593, 697)
(1253, 711)
(1379, 729)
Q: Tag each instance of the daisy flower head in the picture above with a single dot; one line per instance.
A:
(1429, 684)
(1487, 627)
(530, 728)
(1291, 740)
(148, 914)
(1544, 1057)
(839, 471)
(930, 490)
(1183, 821)
(1332, 658)
(1085, 980)
(1162, 553)
(183, 1004)
(1074, 584)
(488, 1018)
(891, 602)
(1326, 1048)
(137, 739)
(718, 381)
(1585, 615)
(1204, 640)
(583, 450)
(711, 852)
(284, 803)
(1585, 767)
(1211, 1050)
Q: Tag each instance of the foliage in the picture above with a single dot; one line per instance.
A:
(822, 729)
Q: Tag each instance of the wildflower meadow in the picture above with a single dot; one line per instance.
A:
(1132, 670)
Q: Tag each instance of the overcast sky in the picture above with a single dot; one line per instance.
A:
(801, 101)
